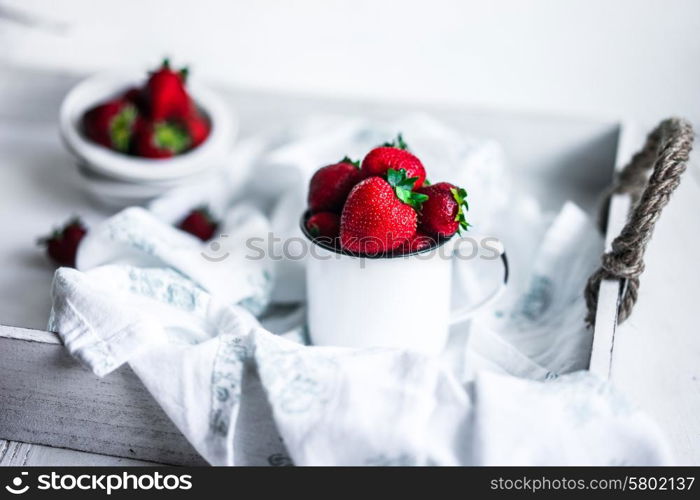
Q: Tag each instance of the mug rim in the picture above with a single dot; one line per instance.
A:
(386, 255)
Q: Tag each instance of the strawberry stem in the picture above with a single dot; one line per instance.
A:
(170, 137)
(121, 128)
(57, 232)
(347, 159)
(314, 230)
(184, 74)
(397, 143)
(403, 187)
(460, 196)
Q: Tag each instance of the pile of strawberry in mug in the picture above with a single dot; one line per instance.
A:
(158, 120)
(383, 206)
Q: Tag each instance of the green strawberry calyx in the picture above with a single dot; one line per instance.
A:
(58, 232)
(460, 196)
(184, 74)
(314, 230)
(397, 143)
(170, 137)
(347, 159)
(121, 128)
(403, 187)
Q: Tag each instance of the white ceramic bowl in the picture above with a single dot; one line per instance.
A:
(101, 87)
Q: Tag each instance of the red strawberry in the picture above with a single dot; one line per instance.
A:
(137, 97)
(111, 124)
(330, 185)
(166, 93)
(394, 155)
(420, 241)
(159, 139)
(379, 215)
(200, 223)
(324, 224)
(198, 127)
(62, 244)
(443, 213)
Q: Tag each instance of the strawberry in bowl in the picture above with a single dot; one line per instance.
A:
(158, 120)
(145, 133)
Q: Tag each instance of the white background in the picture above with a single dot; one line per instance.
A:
(607, 58)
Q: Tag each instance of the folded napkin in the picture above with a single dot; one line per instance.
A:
(243, 395)
(204, 328)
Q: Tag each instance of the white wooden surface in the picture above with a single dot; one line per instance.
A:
(656, 355)
(13, 453)
(609, 293)
(47, 397)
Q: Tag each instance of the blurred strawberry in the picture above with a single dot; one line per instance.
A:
(330, 185)
(324, 224)
(443, 213)
(200, 223)
(137, 97)
(198, 127)
(62, 244)
(159, 139)
(111, 124)
(166, 94)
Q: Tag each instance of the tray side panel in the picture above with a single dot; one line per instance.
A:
(609, 293)
(47, 398)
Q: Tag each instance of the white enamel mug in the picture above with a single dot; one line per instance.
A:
(401, 301)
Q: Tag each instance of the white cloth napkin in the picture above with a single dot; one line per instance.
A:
(206, 363)
(249, 391)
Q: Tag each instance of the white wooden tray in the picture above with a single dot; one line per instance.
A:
(47, 398)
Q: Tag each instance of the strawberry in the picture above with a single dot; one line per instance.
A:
(420, 241)
(62, 244)
(380, 215)
(443, 213)
(166, 94)
(137, 97)
(198, 128)
(159, 139)
(200, 223)
(324, 224)
(329, 187)
(393, 155)
(111, 124)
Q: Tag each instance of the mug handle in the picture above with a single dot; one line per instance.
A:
(463, 313)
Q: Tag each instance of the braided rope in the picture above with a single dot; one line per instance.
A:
(666, 153)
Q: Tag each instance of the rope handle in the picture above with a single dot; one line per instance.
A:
(665, 153)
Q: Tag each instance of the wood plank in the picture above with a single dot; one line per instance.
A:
(653, 357)
(655, 362)
(609, 293)
(46, 397)
(16, 454)
(12, 332)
